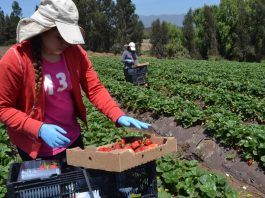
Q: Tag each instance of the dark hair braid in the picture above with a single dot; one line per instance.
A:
(36, 54)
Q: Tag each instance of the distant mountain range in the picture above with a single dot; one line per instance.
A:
(174, 19)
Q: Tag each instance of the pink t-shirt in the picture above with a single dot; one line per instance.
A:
(59, 104)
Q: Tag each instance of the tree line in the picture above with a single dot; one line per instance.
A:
(234, 30)
(8, 24)
(108, 25)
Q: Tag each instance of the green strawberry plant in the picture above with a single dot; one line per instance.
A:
(183, 178)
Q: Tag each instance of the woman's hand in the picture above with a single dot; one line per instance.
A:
(53, 135)
(129, 121)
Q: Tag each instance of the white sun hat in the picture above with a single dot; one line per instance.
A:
(62, 14)
(132, 46)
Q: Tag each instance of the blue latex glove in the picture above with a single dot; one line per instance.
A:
(128, 121)
(129, 61)
(52, 135)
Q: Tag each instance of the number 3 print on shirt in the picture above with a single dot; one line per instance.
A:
(49, 85)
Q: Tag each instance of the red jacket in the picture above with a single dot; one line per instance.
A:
(17, 94)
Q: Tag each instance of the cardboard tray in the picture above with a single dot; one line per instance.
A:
(141, 65)
(119, 160)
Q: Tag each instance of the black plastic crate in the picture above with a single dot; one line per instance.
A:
(65, 185)
(136, 75)
(138, 79)
(137, 70)
(138, 182)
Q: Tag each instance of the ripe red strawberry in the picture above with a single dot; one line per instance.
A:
(53, 166)
(127, 146)
(42, 167)
(250, 162)
(117, 146)
(101, 149)
(141, 148)
(105, 149)
(123, 141)
(148, 141)
(135, 145)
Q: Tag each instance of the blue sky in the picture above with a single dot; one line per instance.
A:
(143, 7)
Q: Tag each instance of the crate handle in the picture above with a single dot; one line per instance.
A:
(88, 183)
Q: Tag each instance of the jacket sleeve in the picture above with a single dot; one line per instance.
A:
(95, 90)
(123, 57)
(11, 82)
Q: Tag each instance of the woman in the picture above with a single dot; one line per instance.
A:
(40, 80)
(129, 56)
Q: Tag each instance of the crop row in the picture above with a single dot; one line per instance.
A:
(223, 113)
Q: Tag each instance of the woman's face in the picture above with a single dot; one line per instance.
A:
(53, 43)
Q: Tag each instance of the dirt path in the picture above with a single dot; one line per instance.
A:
(195, 144)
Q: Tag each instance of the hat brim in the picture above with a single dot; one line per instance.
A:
(132, 48)
(28, 28)
(70, 32)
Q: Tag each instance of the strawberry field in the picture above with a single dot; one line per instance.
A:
(226, 98)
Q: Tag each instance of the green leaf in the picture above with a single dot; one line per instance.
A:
(261, 145)
(262, 158)
(164, 194)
